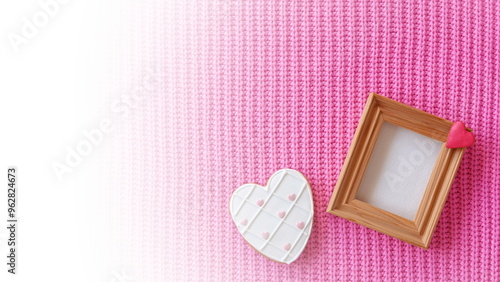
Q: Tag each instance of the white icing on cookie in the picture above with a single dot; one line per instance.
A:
(275, 219)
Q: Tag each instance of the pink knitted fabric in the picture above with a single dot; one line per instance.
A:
(246, 88)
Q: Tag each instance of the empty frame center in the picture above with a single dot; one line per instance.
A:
(398, 170)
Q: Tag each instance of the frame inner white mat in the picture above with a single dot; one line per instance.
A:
(398, 170)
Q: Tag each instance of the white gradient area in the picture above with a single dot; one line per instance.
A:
(51, 91)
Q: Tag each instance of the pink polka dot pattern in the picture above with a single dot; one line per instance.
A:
(300, 225)
(281, 214)
(287, 247)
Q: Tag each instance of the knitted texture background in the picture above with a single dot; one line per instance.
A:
(245, 88)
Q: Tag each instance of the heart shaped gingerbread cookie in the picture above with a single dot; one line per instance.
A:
(276, 219)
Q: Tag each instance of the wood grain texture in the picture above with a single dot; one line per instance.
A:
(419, 231)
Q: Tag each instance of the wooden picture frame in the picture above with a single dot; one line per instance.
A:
(344, 203)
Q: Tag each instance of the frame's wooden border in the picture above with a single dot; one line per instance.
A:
(343, 203)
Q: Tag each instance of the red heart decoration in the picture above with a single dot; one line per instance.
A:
(459, 137)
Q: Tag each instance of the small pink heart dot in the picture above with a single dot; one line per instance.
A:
(281, 214)
(244, 222)
(300, 225)
(287, 247)
(260, 202)
(459, 137)
(292, 197)
(265, 235)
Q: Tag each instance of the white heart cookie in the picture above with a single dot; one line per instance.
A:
(276, 220)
